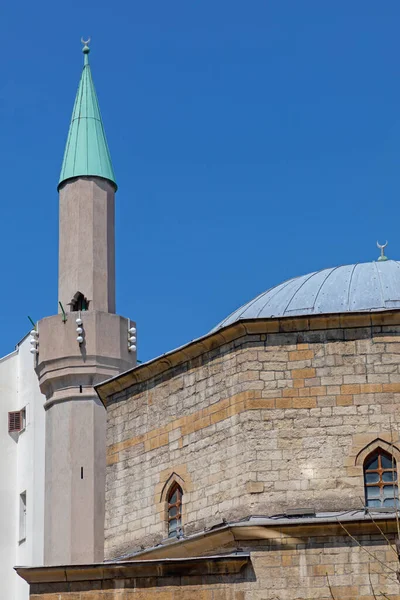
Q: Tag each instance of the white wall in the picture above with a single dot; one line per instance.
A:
(8, 474)
(21, 469)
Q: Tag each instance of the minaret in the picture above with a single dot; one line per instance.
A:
(84, 344)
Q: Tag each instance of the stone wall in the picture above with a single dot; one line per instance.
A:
(267, 422)
(335, 568)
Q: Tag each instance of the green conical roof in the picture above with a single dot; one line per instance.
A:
(86, 152)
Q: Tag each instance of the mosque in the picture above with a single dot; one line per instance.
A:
(259, 461)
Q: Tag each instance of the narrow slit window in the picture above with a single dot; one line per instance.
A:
(22, 517)
(175, 511)
(380, 480)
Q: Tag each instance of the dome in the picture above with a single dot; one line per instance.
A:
(369, 287)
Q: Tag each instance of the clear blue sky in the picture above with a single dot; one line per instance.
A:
(252, 142)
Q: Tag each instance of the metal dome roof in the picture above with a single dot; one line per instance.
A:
(370, 287)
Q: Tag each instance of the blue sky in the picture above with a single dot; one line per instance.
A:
(252, 142)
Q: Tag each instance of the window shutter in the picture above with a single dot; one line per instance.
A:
(15, 421)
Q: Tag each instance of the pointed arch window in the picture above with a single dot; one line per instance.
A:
(380, 480)
(175, 511)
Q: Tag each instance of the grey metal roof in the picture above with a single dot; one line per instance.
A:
(319, 518)
(370, 287)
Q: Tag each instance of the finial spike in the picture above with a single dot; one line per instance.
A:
(382, 249)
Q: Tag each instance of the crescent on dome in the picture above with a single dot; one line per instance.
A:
(382, 249)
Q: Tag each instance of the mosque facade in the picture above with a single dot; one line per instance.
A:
(259, 461)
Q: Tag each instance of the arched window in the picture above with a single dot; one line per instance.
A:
(380, 479)
(79, 302)
(175, 511)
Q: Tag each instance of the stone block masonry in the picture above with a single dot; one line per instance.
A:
(274, 419)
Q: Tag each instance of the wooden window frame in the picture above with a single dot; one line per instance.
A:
(178, 505)
(381, 484)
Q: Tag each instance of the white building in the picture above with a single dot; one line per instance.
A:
(22, 461)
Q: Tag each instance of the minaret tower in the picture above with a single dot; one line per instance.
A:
(85, 343)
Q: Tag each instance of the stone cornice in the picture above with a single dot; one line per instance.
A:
(168, 567)
(222, 336)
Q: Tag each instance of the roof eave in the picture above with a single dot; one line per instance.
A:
(168, 567)
(263, 528)
(83, 176)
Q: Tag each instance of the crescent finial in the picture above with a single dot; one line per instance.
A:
(382, 249)
(85, 42)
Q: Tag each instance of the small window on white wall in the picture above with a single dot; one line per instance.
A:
(22, 517)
